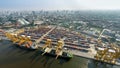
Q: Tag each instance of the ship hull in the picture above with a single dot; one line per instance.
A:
(23, 47)
(64, 55)
(52, 53)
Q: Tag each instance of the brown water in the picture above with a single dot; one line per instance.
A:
(14, 57)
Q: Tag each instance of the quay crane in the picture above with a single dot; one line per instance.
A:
(59, 47)
(24, 40)
(58, 51)
(47, 47)
(47, 44)
(28, 43)
(109, 54)
(12, 36)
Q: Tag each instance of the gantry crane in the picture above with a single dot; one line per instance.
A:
(47, 47)
(13, 36)
(47, 44)
(59, 47)
(109, 55)
(100, 53)
(22, 39)
(29, 43)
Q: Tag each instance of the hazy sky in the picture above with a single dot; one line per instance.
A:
(60, 4)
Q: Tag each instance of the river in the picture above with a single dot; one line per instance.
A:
(14, 57)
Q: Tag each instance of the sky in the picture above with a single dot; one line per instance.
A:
(60, 4)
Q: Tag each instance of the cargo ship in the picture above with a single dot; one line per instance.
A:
(26, 43)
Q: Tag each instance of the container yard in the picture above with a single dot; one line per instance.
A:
(61, 42)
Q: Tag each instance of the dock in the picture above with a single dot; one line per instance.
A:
(88, 55)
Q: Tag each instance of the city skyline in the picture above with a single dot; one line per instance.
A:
(60, 5)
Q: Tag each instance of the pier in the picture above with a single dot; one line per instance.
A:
(88, 55)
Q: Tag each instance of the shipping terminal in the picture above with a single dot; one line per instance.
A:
(63, 43)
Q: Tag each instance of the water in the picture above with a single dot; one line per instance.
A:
(14, 57)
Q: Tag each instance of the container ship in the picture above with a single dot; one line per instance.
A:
(25, 42)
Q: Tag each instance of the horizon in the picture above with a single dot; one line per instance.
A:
(36, 5)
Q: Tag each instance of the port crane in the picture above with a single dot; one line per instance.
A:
(47, 47)
(108, 54)
(103, 54)
(59, 47)
(12, 36)
(29, 43)
(24, 40)
(58, 50)
(47, 44)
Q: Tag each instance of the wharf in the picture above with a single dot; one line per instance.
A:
(87, 55)
(90, 54)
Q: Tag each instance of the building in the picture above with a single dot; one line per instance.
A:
(23, 22)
